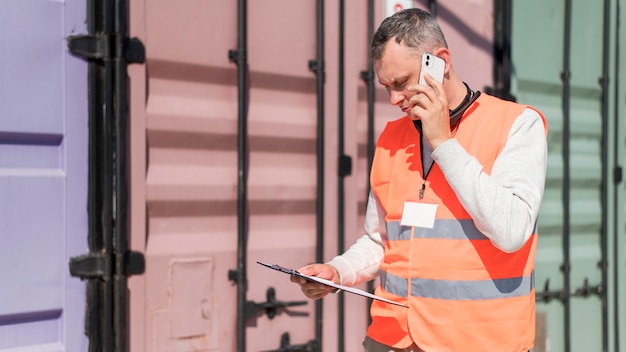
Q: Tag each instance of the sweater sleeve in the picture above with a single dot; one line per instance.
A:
(505, 204)
(360, 262)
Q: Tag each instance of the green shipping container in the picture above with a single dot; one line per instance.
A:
(568, 60)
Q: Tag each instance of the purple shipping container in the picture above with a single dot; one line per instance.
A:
(43, 176)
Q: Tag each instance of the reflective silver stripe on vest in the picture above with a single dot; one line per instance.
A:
(459, 289)
(444, 228)
(394, 284)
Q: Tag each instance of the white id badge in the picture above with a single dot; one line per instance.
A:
(419, 214)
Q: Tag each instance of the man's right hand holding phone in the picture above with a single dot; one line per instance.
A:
(430, 105)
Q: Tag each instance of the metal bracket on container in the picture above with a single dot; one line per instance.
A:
(270, 306)
(100, 265)
(585, 290)
(367, 76)
(89, 46)
(546, 295)
(345, 165)
(286, 346)
(233, 275)
(617, 175)
(237, 56)
(316, 66)
(134, 52)
(91, 265)
(97, 47)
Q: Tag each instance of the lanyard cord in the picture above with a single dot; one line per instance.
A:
(425, 171)
(455, 119)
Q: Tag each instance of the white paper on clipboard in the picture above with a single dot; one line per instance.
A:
(353, 290)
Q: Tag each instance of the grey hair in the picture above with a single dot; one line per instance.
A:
(415, 27)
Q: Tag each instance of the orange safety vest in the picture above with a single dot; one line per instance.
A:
(463, 293)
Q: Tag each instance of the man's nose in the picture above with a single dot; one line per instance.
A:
(396, 98)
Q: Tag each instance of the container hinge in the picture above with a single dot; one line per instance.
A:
(135, 51)
(100, 265)
(617, 174)
(367, 76)
(286, 346)
(233, 275)
(134, 263)
(238, 57)
(99, 47)
(316, 66)
(89, 46)
(270, 306)
(345, 165)
(91, 265)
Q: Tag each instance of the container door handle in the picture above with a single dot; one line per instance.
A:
(270, 306)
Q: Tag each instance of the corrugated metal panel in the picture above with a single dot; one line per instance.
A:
(192, 172)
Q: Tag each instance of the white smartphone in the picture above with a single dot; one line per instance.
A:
(434, 66)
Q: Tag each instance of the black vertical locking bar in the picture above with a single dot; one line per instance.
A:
(565, 266)
(371, 90)
(107, 168)
(502, 50)
(102, 102)
(603, 264)
(96, 312)
(432, 7)
(343, 167)
(320, 71)
(239, 275)
(318, 67)
(371, 99)
(617, 179)
(120, 243)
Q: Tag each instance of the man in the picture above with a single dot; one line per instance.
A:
(451, 217)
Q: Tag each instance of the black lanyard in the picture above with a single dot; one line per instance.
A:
(425, 170)
(455, 118)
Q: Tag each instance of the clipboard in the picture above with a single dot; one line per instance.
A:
(353, 290)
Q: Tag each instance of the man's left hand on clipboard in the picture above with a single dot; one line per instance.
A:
(315, 290)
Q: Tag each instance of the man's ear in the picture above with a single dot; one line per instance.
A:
(444, 53)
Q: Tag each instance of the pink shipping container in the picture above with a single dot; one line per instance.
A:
(190, 207)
